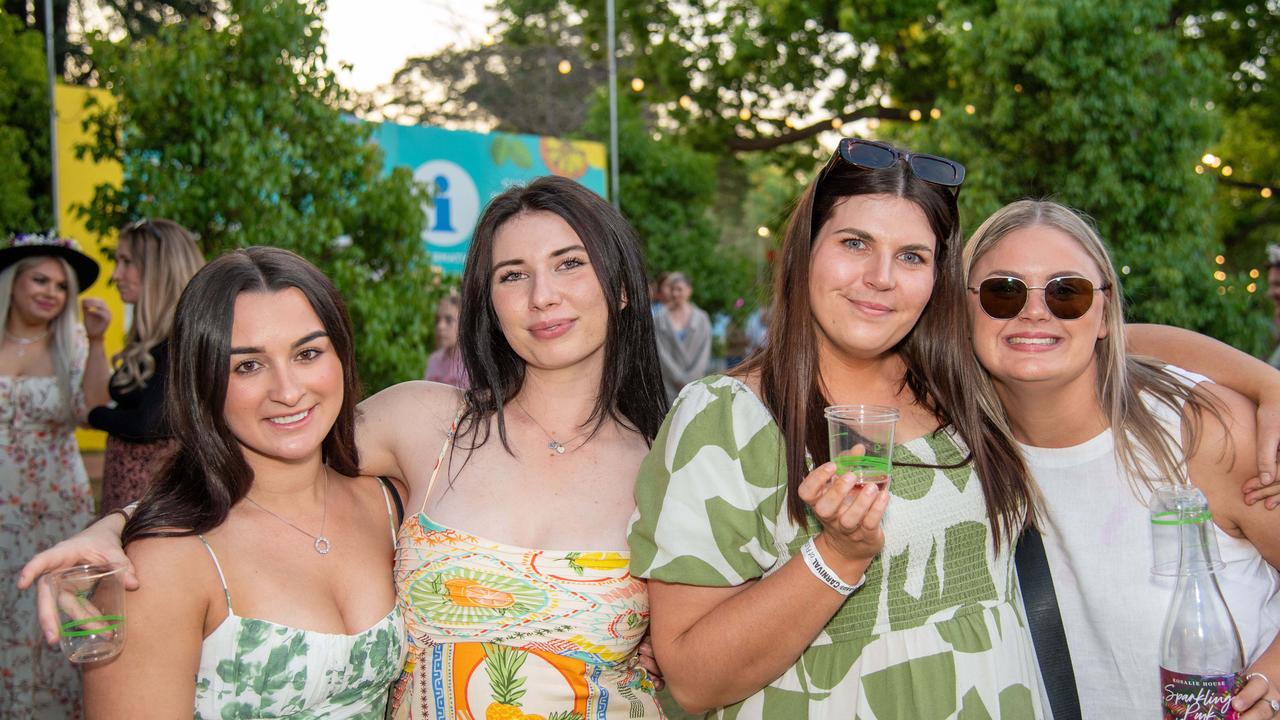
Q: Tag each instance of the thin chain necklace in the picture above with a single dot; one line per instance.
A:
(23, 342)
(322, 544)
(559, 448)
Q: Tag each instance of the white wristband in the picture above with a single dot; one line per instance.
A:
(813, 559)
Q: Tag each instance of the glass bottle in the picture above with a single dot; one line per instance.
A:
(1201, 657)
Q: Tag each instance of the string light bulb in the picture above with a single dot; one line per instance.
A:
(1220, 260)
(914, 115)
(1265, 192)
(686, 102)
(637, 84)
(970, 109)
(1226, 171)
(836, 123)
(762, 231)
(935, 113)
(744, 114)
(565, 67)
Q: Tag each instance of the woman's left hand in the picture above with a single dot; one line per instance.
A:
(648, 661)
(97, 317)
(1257, 700)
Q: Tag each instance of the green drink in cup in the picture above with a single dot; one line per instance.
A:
(90, 600)
(861, 442)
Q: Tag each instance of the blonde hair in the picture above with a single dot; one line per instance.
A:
(166, 256)
(1144, 447)
(63, 327)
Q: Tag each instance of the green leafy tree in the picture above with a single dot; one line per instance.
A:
(234, 132)
(668, 194)
(25, 205)
(1105, 106)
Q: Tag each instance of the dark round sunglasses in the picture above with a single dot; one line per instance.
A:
(1067, 298)
(872, 155)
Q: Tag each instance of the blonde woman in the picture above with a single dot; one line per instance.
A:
(154, 261)
(49, 369)
(1099, 428)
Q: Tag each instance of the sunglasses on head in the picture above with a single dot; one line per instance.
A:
(1067, 298)
(872, 155)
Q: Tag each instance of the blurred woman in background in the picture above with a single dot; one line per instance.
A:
(154, 261)
(445, 364)
(51, 367)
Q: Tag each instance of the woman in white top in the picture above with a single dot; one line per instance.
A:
(1048, 327)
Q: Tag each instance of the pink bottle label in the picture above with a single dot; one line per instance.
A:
(1199, 697)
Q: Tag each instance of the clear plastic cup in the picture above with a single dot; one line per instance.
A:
(90, 600)
(861, 442)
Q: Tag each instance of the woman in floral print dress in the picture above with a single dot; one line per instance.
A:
(48, 369)
(264, 559)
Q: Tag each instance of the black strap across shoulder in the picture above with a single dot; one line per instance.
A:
(395, 498)
(1041, 605)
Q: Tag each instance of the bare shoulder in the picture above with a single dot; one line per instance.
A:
(414, 402)
(751, 379)
(165, 563)
(1224, 455)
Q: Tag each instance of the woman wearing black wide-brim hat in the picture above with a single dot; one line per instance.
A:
(52, 368)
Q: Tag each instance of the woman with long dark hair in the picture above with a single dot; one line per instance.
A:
(265, 558)
(513, 567)
(154, 261)
(742, 521)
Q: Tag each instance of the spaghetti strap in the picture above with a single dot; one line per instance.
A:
(221, 578)
(391, 517)
(448, 441)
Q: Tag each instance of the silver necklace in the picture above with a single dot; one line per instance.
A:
(321, 544)
(559, 448)
(23, 342)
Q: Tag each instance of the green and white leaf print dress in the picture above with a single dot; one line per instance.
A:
(936, 631)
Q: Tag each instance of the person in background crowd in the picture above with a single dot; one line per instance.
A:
(265, 559)
(154, 261)
(445, 364)
(683, 332)
(1273, 292)
(658, 293)
(51, 367)
(758, 328)
(1100, 429)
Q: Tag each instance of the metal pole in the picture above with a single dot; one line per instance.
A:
(53, 112)
(614, 190)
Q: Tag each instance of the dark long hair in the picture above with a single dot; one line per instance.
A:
(631, 385)
(935, 351)
(207, 474)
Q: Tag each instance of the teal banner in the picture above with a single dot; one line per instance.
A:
(464, 170)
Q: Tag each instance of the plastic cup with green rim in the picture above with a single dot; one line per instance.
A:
(1181, 521)
(90, 600)
(861, 442)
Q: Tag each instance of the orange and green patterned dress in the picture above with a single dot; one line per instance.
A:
(500, 632)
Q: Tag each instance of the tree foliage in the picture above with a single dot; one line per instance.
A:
(234, 132)
(668, 193)
(25, 205)
(1105, 106)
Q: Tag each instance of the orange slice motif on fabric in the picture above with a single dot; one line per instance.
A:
(466, 592)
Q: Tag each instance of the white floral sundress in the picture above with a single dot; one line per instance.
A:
(252, 668)
(44, 497)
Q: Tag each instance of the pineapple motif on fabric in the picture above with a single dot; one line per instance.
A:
(500, 632)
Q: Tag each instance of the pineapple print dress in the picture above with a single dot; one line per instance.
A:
(935, 633)
(499, 632)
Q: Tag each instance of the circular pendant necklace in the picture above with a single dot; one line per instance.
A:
(321, 544)
(554, 445)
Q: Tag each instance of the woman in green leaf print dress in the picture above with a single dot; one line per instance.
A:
(265, 560)
(869, 309)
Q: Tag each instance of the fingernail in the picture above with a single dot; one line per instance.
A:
(1266, 478)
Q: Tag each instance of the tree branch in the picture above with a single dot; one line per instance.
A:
(739, 143)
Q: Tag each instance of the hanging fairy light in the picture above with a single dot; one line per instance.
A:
(686, 102)
(637, 84)
(1226, 171)
(762, 231)
(1199, 169)
(565, 67)
(935, 113)
(914, 115)
(836, 123)
(1253, 273)
(1251, 287)
(970, 109)
(744, 114)
(1219, 276)
(1265, 192)
(1220, 260)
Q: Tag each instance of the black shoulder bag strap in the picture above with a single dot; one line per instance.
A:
(1041, 605)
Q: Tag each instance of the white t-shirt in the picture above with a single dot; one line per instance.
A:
(1097, 538)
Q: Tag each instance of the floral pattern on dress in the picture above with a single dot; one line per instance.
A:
(935, 633)
(44, 497)
(253, 668)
